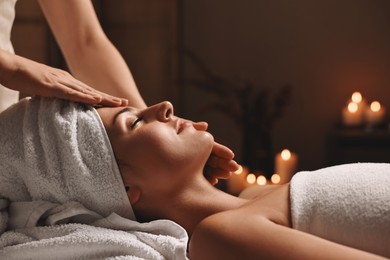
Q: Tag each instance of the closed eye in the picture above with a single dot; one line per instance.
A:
(134, 124)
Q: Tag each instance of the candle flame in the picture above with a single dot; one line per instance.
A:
(275, 178)
(251, 178)
(353, 107)
(286, 154)
(356, 97)
(239, 170)
(375, 106)
(261, 180)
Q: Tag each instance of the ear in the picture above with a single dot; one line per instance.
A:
(134, 193)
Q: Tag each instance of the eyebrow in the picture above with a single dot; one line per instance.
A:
(124, 110)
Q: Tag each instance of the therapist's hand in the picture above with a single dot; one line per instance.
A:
(33, 78)
(220, 164)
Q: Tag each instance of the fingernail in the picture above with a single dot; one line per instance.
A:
(125, 102)
(117, 100)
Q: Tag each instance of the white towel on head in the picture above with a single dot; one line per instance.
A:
(347, 204)
(59, 151)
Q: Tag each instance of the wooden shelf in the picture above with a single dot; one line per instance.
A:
(346, 145)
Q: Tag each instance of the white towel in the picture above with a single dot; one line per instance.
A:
(24, 214)
(8, 97)
(3, 214)
(59, 151)
(113, 237)
(347, 204)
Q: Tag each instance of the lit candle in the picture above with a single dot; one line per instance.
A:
(375, 114)
(275, 178)
(251, 179)
(285, 165)
(237, 181)
(352, 115)
(358, 99)
(353, 112)
(261, 180)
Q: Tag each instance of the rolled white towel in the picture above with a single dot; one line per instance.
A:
(347, 204)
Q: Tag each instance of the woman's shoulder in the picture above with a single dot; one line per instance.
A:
(219, 236)
(233, 234)
(255, 191)
(224, 235)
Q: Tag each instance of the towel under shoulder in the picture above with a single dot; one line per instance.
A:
(348, 204)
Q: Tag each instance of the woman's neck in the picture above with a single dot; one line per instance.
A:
(198, 201)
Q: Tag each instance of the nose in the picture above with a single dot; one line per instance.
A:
(163, 111)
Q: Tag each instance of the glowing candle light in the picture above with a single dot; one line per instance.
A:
(285, 154)
(352, 115)
(285, 165)
(237, 181)
(356, 97)
(261, 180)
(353, 112)
(375, 106)
(375, 114)
(359, 100)
(353, 107)
(275, 178)
(251, 178)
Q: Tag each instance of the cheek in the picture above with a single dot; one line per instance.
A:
(190, 153)
(148, 151)
(163, 151)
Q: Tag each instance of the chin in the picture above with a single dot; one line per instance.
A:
(208, 138)
(209, 142)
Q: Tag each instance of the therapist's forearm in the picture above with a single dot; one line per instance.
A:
(99, 64)
(89, 54)
(7, 65)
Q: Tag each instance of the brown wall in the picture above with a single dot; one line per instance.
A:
(324, 49)
(145, 32)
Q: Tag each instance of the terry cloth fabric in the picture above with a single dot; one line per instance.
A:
(348, 204)
(58, 151)
(113, 237)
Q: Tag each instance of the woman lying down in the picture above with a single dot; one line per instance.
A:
(341, 212)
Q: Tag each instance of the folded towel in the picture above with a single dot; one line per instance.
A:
(113, 237)
(3, 214)
(347, 204)
(24, 214)
(8, 97)
(59, 151)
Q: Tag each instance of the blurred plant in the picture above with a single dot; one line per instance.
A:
(253, 109)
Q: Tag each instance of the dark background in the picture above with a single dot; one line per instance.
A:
(324, 49)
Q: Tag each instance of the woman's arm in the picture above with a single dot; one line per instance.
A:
(90, 56)
(230, 235)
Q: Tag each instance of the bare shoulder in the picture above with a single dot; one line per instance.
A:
(228, 235)
(245, 232)
(240, 234)
(256, 191)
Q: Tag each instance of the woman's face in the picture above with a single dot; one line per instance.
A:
(152, 146)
